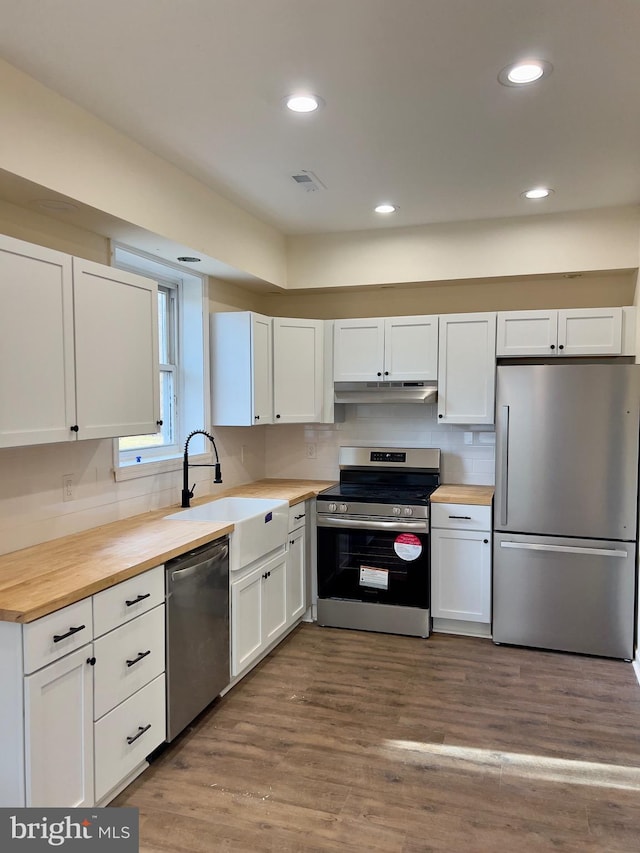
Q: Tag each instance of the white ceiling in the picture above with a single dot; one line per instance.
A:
(414, 113)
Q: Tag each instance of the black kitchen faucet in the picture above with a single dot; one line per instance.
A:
(187, 493)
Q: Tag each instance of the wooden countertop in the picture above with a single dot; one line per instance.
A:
(38, 580)
(475, 495)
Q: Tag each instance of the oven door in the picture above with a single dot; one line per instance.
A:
(384, 561)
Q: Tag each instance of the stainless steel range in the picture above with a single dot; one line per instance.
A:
(373, 540)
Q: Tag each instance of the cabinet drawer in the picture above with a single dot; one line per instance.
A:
(297, 515)
(128, 599)
(461, 516)
(128, 658)
(141, 718)
(57, 634)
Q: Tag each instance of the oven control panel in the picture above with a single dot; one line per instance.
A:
(388, 456)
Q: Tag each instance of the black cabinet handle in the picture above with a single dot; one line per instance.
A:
(140, 597)
(386, 373)
(561, 346)
(291, 542)
(553, 346)
(298, 517)
(379, 374)
(74, 428)
(91, 661)
(256, 417)
(70, 632)
(486, 541)
(141, 731)
(141, 655)
(440, 416)
(277, 416)
(159, 423)
(463, 517)
(266, 575)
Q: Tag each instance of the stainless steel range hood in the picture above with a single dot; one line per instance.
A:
(385, 392)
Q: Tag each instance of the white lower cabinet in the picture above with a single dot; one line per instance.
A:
(461, 568)
(58, 702)
(258, 610)
(296, 597)
(127, 734)
(79, 715)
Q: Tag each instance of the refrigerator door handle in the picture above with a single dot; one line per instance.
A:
(504, 462)
(565, 549)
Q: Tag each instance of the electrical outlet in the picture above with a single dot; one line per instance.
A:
(311, 450)
(68, 487)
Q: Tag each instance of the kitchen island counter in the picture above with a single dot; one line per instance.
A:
(43, 578)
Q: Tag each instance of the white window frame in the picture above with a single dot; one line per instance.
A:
(192, 380)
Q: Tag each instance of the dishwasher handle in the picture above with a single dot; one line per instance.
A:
(216, 556)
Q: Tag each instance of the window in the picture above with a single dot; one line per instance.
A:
(183, 343)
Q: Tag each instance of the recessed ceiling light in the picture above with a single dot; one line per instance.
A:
(385, 208)
(303, 103)
(524, 73)
(188, 259)
(55, 205)
(537, 192)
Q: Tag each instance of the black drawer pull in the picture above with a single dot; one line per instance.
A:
(141, 655)
(70, 633)
(298, 517)
(141, 731)
(463, 517)
(136, 600)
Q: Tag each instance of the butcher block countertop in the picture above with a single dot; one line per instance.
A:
(475, 495)
(38, 580)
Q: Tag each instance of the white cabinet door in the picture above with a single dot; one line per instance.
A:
(527, 333)
(590, 331)
(116, 338)
(246, 620)
(461, 575)
(411, 348)
(296, 597)
(358, 350)
(59, 732)
(274, 599)
(467, 368)
(37, 379)
(297, 370)
(261, 372)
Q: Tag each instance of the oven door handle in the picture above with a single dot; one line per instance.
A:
(370, 524)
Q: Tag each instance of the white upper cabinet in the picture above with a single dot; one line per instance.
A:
(576, 331)
(266, 370)
(116, 338)
(241, 371)
(467, 368)
(37, 393)
(297, 370)
(358, 350)
(78, 348)
(391, 349)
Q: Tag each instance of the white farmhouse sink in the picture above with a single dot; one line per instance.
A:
(260, 525)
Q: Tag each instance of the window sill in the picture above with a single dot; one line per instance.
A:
(152, 467)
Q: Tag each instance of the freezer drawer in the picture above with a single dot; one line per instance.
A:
(574, 595)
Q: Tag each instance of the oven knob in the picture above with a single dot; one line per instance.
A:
(342, 508)
(396, 510)
(333, 507)
(408, 510)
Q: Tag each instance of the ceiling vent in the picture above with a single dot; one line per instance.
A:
(309, 181)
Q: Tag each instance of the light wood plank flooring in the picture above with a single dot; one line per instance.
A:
(349, 741)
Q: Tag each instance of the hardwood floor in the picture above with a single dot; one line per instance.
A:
(350, 741)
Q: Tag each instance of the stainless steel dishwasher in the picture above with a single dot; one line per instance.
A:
(197, 617)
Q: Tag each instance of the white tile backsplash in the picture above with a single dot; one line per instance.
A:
(401, 425)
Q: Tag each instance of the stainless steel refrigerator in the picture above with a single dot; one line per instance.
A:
(565, 513)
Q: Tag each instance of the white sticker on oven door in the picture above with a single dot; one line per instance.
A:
(407, 546)
(378, 578)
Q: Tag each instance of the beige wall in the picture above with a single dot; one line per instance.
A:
(502, 248)
(452, 297)
(33, 227)
(52, 142)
